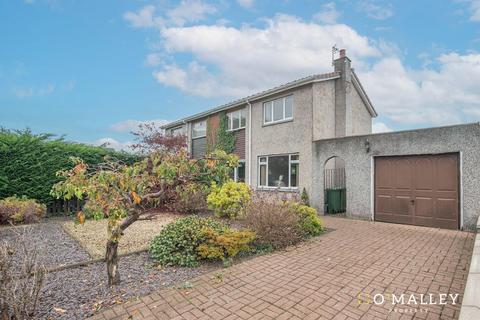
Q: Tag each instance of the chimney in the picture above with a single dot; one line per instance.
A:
(342, 88)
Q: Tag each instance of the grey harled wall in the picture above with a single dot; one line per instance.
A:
(359, 164)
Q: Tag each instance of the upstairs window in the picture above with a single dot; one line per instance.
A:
(278, 110)
(199, 129)
(177, 131)
(236, 119)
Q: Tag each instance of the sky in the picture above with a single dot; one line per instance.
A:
(94, 70)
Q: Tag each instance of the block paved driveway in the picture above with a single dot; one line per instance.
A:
(322, 278)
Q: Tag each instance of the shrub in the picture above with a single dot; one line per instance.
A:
(20, 210)
(189, 199)
(225, 245)
(304, 197)
(309, 222)
(29, 162)
(230, 200)
(177, 243)
(21, 277)
(275, 224)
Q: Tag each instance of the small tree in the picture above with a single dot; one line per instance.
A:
(151, 138)
(124, 193)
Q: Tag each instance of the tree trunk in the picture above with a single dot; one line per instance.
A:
(111, 257)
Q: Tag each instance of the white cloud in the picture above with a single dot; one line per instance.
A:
(246, 3)
(328, 14)
(287, 48)
(444, 95)
(132, 125)
(376, 9)
(379, 127)
(114, 144)
(190, 11)
(187, 11)
(238, 61)
(143, 18)
(153, 59)
(475, 10)
(23, 93)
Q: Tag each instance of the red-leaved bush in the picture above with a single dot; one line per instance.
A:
(152, 138)
(274, 223)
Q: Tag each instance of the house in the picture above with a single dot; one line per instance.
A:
(274, 129)
(316, 133)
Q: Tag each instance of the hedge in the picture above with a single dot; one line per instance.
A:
(29, 162)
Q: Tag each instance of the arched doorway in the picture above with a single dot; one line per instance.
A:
(335, 185)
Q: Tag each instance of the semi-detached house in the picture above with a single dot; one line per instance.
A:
(296, 135)
(274, 129)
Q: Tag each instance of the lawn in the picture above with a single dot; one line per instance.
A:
(92, 235)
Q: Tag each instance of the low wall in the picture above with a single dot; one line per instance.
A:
(464, 139)
(471, 297)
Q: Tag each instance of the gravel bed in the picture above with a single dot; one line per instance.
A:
(78, 293)
(92, 235)
(54, 246)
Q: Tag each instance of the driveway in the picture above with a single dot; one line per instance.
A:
(325, 277)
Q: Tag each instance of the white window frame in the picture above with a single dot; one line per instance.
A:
(290, 162)
(284, 118)
(235, 171)
(230, 119)
(193, 129)
(180, 128)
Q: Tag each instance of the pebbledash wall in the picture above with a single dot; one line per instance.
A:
(359, 164)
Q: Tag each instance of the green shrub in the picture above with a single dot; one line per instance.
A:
(29, 162)
(304, 197)
(225, 245)
(230, 200)
(177, 243)
(309, 222)
(20, 210)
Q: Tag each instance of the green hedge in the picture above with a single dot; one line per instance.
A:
(29, 162)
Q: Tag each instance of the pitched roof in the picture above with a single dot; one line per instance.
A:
(256, 96)
(278, 89)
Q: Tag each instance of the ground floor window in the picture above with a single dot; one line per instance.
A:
(238, 173)
(279, 171)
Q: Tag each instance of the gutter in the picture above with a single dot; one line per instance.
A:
(249, 143)
(254, 97)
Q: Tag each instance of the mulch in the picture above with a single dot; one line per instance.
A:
(77, 293)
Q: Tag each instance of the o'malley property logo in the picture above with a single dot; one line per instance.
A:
(408, 302)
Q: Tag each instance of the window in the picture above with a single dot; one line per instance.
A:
(278, 110)
(279, 171)
(176, 131)
(236, 119)
(238, 173)
(199, 129)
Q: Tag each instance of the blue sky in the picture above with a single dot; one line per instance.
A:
(93, 70)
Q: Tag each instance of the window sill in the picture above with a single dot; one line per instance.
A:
(281, 189)
(238, 129)
(276, 122)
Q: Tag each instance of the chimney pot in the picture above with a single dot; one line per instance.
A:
(343, 53)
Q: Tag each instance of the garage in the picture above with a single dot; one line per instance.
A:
(420, 190)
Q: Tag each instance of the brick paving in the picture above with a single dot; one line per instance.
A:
(322, 278)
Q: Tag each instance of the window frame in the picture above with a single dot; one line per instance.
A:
(193, 130)
(290, 162)
(230, 119)
(271, 102)
(235, 170)
(180, 128)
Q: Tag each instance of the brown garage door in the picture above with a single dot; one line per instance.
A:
(419, 190)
